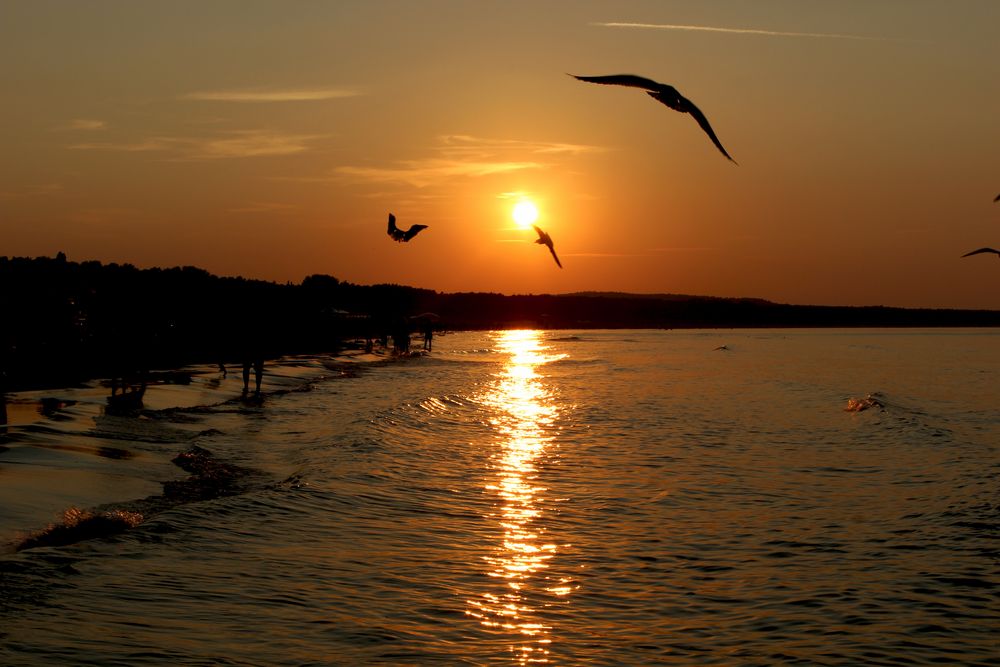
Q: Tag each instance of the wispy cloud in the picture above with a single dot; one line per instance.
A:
(516, 194)
(152, 144)
(252, 143)
(464, 144)
(422, 173)
(277, 95)
(85, 124)
(236, 144)
(456, 156)
(735, 31)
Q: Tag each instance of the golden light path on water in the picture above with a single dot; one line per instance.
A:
(523, 411)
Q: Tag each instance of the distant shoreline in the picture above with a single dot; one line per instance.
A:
(67, 322)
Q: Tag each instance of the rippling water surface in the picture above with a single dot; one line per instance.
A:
(531, 497)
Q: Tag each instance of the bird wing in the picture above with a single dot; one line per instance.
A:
(554, 255)
(392, 225)
(413, 231)
(976, 252)
(696, 113)
(546, 240)
(630, 80)
(664, 94)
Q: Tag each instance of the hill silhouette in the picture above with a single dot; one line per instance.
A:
(65, 322)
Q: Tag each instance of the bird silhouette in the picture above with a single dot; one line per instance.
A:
(663, 93)
(976, 252)
(546, 240)
(398, 234)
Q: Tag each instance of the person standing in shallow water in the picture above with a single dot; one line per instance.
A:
(258, 370)
(428, 336)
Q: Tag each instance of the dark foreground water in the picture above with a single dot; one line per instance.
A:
(572, 498)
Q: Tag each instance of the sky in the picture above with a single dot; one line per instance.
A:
(271, 140)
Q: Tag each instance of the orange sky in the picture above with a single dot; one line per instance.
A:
(271, 139)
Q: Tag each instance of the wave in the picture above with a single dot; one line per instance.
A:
(861, 404)
(78, 525)
(209, 478)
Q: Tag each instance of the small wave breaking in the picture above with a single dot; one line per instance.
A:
(866, 403)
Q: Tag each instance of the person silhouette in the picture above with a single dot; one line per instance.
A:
(257, 363)
(428, 335)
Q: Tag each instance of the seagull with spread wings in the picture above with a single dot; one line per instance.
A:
(664, 94)
(546, 240)
(981, 250)
(398, 234)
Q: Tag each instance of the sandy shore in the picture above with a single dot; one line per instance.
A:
(64, 448)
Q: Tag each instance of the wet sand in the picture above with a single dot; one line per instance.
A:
(64, 448)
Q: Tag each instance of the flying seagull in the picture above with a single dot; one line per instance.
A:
(546, 240)
(398, 234)
(663, 93)
(976, 252)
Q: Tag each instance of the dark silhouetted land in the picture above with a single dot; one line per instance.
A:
(65, 322)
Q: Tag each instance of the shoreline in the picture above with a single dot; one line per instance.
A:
(69, 463)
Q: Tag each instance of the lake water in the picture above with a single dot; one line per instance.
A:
(529, 497)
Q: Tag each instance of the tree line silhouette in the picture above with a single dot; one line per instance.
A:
(64, 322)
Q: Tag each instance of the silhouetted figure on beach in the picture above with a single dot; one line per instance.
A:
(222, 369)
(664, 94)
(982, 250)
(257, 363)
(401, 337)
(546, 240)
(130, 380)
(127, 391)
(428, 335)
(398, 234)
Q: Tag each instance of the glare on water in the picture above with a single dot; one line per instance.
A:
(523, 411)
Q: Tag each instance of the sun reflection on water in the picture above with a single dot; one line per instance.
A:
(523, 411)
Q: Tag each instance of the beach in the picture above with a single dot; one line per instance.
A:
(80, 454)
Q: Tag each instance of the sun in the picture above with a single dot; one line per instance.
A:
(524, 214)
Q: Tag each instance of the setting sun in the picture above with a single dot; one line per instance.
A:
(524, 214)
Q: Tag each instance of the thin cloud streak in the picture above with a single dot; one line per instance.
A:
(463, 144)
(85, 124)
(153, 144)
(736, 31)
(253, 143)
(421, 173)
(268, 96)
(458, 155)
(237, 144)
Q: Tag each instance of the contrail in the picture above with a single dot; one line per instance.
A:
(736, 31)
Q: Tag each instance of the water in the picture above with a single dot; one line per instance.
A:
(526, 497)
